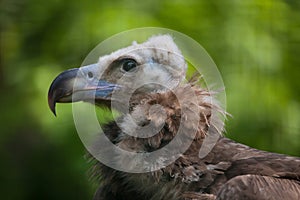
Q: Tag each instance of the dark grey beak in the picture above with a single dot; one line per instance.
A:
(79, 84)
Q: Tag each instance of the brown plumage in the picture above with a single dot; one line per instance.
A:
(230, 171)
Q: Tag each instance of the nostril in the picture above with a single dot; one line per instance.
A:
(90, 74)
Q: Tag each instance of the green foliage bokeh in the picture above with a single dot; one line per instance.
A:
(255, 44)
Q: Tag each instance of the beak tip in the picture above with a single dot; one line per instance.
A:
(54, 112)
(51, 104)
(60, 87)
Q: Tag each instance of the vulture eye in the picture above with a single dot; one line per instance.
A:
(90, 74)
(128, 65)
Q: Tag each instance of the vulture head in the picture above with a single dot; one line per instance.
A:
(155, 65)
(144, 82)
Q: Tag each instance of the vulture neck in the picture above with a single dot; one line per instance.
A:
(187, 105)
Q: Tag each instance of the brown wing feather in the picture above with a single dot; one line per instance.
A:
(256, 187)
(275, 165)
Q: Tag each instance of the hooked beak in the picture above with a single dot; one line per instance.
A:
(79, 84)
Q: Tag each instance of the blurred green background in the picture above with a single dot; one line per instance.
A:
(255, 44)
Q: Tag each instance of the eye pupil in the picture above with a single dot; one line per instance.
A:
(129, 65)
(90, 75)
